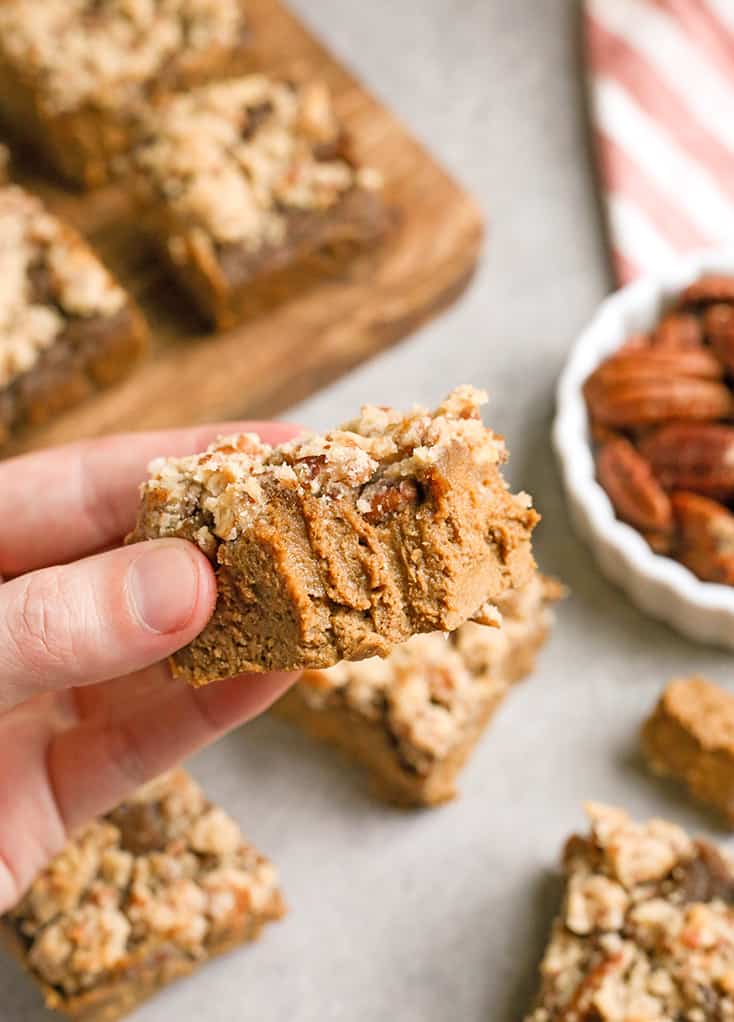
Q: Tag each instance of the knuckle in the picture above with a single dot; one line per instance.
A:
(40, 622)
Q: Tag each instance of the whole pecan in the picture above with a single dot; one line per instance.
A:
(630, 403)
(661, 416)
(654, 362)
(640, 339)
(718, 322)
(646, 385)
(713, 287)
(705, 537)
(678, 330)
(636, 495)
(696, 456)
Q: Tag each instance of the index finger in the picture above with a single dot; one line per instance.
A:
(71, 501)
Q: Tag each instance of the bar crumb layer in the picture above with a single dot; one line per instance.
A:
(646, 933)
(140, 898)
(414, 718)
(690, 737)
(339, 547)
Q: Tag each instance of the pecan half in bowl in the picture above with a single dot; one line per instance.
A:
(644, 434)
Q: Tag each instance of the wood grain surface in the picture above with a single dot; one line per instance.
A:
(270, 362)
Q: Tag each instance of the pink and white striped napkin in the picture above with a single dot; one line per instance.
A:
(661, 75)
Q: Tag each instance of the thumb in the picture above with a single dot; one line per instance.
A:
(101, 617)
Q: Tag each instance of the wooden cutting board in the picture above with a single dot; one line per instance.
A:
(269, 363)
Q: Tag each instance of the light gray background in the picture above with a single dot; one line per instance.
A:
(442, 915)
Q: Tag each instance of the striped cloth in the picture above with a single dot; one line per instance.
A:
(661, 76)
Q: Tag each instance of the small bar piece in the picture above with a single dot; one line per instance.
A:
(690, 737)
(73, 73)
(414, 718)
(142, 897)
(646, 933)
(339, 547)
(66, 327)
(252, 192)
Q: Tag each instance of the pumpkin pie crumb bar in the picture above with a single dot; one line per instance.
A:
(690, 737)
(141, 897)
(252, 192)
(414, 718)
(74, 73)
(340, 546)
(646, 931)
(67, 328)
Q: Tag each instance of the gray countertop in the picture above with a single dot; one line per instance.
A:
(442, 915)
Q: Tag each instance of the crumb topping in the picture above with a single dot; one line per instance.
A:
(232, 159)
(47, 276)
(429, 688)
(647, 929)
(379, 461)
(87, 51)
(165, 868)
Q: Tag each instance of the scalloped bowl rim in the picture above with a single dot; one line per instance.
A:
(633, 307)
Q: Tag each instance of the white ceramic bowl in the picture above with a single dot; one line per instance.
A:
(658, 585)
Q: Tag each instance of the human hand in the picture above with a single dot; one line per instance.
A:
(88, 712)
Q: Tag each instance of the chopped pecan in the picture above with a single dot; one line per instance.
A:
(311, 466)
(707, 876)
(142, 826)
(387, 497)
(255, 116)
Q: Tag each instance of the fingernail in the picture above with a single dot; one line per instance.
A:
(163, 585)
